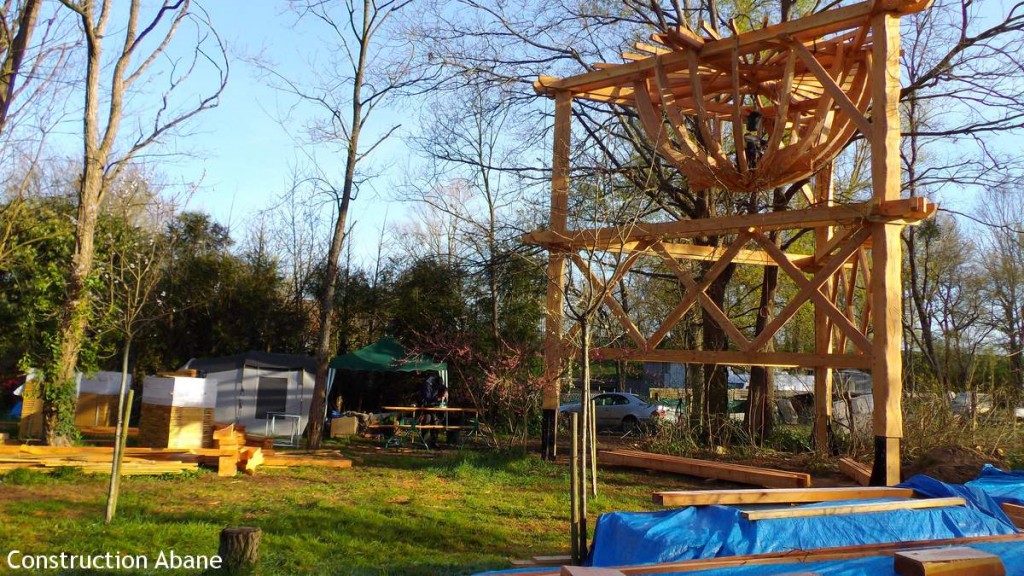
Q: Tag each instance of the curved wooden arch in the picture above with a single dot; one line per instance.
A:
(696, 116)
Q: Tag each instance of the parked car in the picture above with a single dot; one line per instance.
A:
(625, 410)
(962, 403)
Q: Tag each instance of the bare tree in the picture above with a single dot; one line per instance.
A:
(347, 92)
(1003, 262)
(17, 22)
(143, 49)
(135, 261)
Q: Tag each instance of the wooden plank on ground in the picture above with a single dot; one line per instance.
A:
(1015, 512)
(808, 512)
(959, 561)
(588, 571)
(280, 461)
(859, 473)
(706, 469)
(777, 496)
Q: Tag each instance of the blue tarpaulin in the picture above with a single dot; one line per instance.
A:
(717, 531)
(627, 538)
(1001, 485)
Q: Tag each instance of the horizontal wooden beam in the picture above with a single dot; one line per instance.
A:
(901, 211)
(699, 253)
(778, 496)
(705, 469)
(813, 511)
(814, 26)
(736, 358)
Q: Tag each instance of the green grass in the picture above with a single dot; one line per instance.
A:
(456, 513)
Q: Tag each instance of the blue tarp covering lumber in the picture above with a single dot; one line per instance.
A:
(629, 538)
(1001, 485)
(718, 531)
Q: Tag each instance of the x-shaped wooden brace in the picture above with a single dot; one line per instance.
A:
(696, 292)
(810, 289)
(609, 299)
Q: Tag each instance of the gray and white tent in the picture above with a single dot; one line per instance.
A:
(252, 385)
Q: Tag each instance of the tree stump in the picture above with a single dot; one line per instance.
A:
(239, 547)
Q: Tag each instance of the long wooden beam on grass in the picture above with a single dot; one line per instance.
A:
(777, 496)
(705, 469)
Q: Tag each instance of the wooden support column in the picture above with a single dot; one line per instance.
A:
(886, 287)
(556, 273)
(823, 191)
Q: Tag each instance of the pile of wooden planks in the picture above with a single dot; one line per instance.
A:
(227, 459)
(175, 426)
(95, 461)
(705, 469)
(234, 455)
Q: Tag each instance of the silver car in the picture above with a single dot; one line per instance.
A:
(625, 410)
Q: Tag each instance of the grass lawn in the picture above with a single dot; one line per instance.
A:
(391, 513)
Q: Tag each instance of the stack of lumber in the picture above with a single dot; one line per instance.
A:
(175, 426)
(46, 459)
(98, 394)
(705, 469)
(95, 410)
(234, 455)
(177, 412)
(31, 425)
(96, 459)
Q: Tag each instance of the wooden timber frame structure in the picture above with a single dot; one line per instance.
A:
(815, 82)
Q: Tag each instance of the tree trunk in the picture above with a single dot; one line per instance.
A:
(120, 435)
(716, 378)
(239, 547)
(318, 406)
(761, 397)
(59, 395)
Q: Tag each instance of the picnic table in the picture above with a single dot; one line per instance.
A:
(409, 426)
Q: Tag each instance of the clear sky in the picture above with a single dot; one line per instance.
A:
(241, 153)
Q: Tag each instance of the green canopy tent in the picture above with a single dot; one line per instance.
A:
(384, 355)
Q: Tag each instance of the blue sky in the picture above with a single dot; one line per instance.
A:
(241, 154)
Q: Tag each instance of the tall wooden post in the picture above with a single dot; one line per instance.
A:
(886, 251)
(823, 192)
(556, 273)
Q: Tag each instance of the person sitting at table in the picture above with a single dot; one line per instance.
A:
(441, 392)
